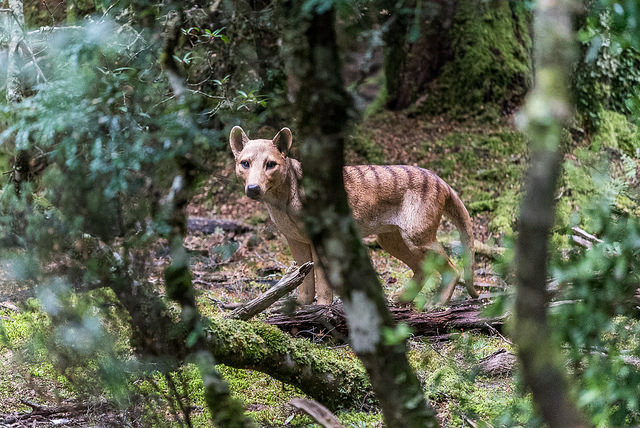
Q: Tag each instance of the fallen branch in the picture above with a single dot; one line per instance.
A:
(317, 411)
(323, 320)
(586, 235)
(40, 412)
(288, 283)
(583, 238)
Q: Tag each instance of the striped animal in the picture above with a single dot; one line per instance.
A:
(402, 205)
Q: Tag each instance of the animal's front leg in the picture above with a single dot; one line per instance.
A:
(324, 290)
(301, 253)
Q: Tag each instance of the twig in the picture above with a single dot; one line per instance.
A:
(288, 283)
(28, 51)
(48, 29)
(480, 248)
(495, 331)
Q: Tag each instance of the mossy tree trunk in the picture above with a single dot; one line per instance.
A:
(323, 107)
(457, 57)
(547, 110)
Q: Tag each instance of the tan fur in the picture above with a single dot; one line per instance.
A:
(402, 205)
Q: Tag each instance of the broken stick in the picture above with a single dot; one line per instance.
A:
(288, 283)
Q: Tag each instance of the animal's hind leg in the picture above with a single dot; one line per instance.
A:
(445, 267)
(393, 243)
(447, 271)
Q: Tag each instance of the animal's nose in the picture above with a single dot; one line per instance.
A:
(253, 191)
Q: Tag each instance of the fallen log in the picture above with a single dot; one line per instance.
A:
(292, 279)
(41, 414)
(330, 320)
(208, 226)
(500, 363)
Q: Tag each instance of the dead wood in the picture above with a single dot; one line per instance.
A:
(292, 279)
(323, 320)
(499, 363)
(480, 248)
(40, 413)
(317, 411)
(585, 235)
(211, 225)
(583, 238)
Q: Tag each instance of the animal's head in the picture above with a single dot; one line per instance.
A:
(260, 163)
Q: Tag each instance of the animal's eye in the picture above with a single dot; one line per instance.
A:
(244, 164)
(271, 164)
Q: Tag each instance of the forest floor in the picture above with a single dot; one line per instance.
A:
(483, 162)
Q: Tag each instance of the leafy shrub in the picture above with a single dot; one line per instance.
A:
(599, 327)
(608, 75)
(112, 139)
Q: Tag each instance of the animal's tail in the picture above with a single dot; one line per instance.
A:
(456, 211)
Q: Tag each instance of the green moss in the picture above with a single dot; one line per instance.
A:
(264, 346)
(491, 69)
(459, 394)
(486, 169)
(616, 132)
(363, 148)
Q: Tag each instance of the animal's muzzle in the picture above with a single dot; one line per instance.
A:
(253, 191)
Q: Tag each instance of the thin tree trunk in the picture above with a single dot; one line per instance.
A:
(15, 90)
(323, 105)
(226, 410)
(547, 110)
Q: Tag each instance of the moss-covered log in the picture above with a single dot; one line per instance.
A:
(337, 382)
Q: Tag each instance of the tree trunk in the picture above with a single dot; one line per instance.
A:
(322, 104)
(462, 58)
(547, 110)
(15, 89)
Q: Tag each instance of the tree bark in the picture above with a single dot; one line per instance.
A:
(322, 104)
(461, 58)
(547, 110)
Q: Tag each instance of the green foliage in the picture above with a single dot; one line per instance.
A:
(364, 148)
(462, 393)
(486, 167)
(599, 326)
(616, 132)
(608, 76)
(491, 67)
(112, 138)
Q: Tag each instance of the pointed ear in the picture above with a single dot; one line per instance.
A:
(237, 140)
(283, 140)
